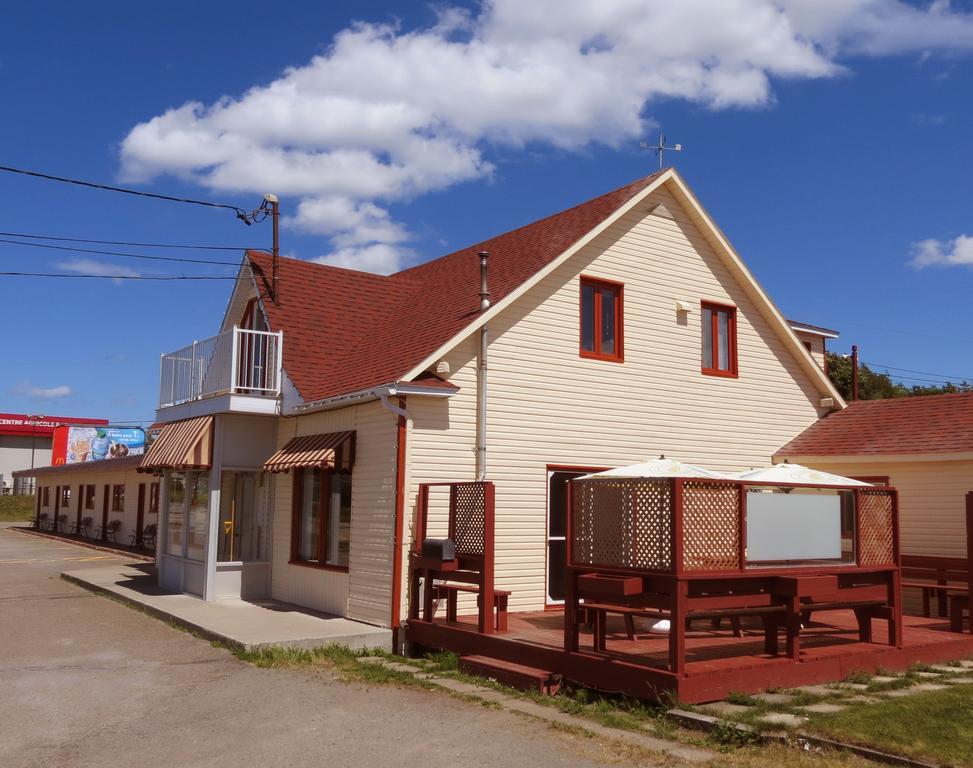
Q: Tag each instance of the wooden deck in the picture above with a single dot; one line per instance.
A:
(716, 661)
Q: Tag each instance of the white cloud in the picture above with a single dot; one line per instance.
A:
(93, 267)
(386, 114)
(943, 253)
(26, 389)
(375, 257)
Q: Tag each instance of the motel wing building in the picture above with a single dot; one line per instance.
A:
(620, 329)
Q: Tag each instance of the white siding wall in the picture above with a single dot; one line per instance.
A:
(817, 346)
(364, 592)
(547, 405)
(129, 517)
(932, 500)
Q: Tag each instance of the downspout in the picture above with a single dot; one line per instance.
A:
(398, 524)
(481, 374)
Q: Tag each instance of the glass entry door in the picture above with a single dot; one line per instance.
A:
(243, 521)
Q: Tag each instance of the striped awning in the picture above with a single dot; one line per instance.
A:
(334, 449)
(181, 445)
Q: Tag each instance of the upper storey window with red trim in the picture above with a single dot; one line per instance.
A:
(601, 319)
(719, 339)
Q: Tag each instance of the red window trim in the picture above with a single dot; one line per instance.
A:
(324, 511)
(715, 307)
(619, 288)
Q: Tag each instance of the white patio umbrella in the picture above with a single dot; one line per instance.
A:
(794, 473)
(660, 467)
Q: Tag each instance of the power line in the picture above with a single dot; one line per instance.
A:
(924, 373)
(119, 253)
(240, 213)
(118, 277)
(123, 242)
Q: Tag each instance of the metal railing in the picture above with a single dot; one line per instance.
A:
(237, 361)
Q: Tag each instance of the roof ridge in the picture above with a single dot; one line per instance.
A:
(643, 181)
(908, 398)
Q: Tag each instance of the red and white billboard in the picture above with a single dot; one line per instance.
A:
(40, 426)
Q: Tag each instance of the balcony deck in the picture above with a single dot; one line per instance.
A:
(237, 371)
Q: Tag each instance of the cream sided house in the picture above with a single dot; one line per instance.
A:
(923, 446)
(623, 328)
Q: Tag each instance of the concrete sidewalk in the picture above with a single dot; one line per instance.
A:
(237, 623)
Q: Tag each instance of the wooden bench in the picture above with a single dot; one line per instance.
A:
(450, 592)
(629, 613)
(941, 577)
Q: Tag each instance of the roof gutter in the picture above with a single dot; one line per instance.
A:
(393, 389)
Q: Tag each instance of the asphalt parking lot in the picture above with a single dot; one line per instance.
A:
(85, 681)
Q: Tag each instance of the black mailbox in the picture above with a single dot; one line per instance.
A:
(439, 549)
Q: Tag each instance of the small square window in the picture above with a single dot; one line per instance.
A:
(601, 319)
(719, 326)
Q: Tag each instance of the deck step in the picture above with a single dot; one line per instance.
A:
(518, 676)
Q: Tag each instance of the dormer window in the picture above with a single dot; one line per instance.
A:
(719, 322)
(601, 319)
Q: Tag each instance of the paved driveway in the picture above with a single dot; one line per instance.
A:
(85, 681)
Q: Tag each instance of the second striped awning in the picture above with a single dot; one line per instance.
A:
(333, 449)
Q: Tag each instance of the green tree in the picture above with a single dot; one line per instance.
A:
(878, 386)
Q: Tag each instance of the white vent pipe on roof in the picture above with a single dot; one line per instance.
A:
(481, 374)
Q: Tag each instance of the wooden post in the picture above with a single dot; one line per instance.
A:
(969, 556)
(419, 533)
(487, 623)
(742, 524)
(104, 513)
(77, 522)
(140, 518)
(677, 627)
(57, 507)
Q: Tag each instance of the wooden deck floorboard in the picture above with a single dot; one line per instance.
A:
(718, 662)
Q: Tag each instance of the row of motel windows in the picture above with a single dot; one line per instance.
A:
(602, 328)
(117, 497)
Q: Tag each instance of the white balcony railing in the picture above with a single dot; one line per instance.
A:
(237, 361)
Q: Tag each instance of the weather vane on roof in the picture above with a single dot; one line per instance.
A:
(661, 147)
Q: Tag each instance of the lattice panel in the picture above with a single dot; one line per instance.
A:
(622, 524)
(875, 528)
(468, 502)
(711, 526)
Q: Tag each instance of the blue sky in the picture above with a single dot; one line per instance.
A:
(831, 144)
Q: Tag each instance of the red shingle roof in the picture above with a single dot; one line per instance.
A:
(903, 425)
(346, 331)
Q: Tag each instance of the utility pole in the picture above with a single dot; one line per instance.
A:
(854, 371)
(275, 251)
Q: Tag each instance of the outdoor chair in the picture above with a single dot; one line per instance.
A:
(148, 536)
(110, 531)
(40, 522)
(62, 523)
(81, 528)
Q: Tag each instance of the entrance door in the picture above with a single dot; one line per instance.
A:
(557, 529)
(242, 532)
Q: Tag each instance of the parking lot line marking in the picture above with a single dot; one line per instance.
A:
(57, 559)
